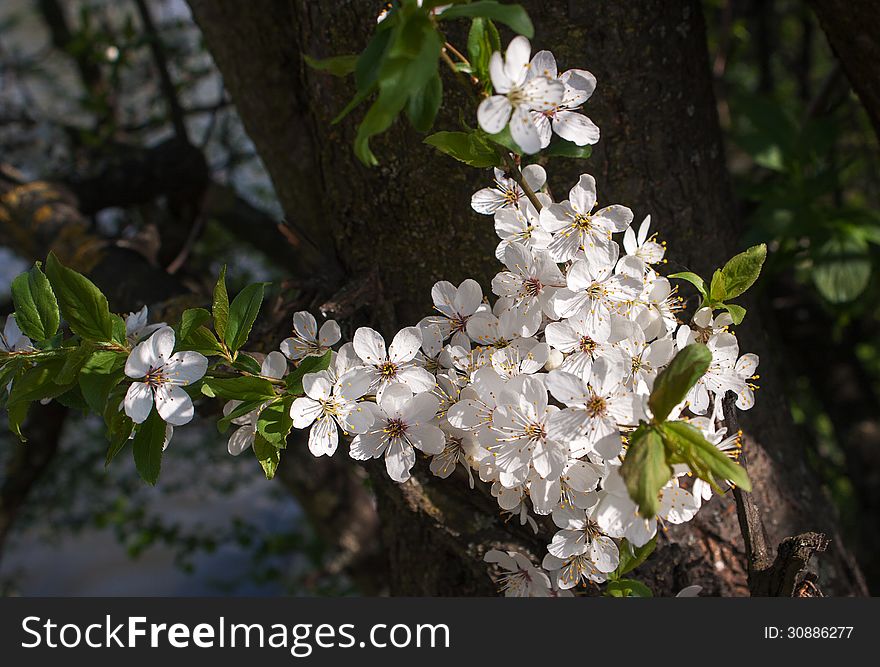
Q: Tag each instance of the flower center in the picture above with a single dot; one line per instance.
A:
(596, 406)
(582, 222)
(395, 428)
(388, 370)
(532, 287)
(156, 377)
(587, 345)
(535, 431)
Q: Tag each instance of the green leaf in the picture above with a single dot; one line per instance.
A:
(98, 376)
(119, 425)
(423, 105)
(274, 423)
(717, 289)
(16, 414)
(147, 446)
(410, 61)
(247, 363)
(687, 441)
(242, 314)
(243, 388)
(307, 365)
(563, 148)
(220, 308)
(268, 456)
(694, 280)
(38, 383)
(674, 381)
(742, 271)
(483, 40)
(737, 313)
(80, 302)
(645, 469)
(191, 320)
(119, 332)
(842, 269)
(335, 65)
(505, 140)
(36, 309)
(201, 340)
(369, 62)
(627, 588)
(631, 557)
(513, 16)
(74, 361)
(468, 147)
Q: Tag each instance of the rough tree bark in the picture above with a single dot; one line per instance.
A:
(661, 153)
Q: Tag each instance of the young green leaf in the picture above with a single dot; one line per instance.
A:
(220, 308)
(742, 271)
(687, 440)
(423, 105)
(274, 423)
(201, 340)
(468, 147)
(645, 469)
(717, 289)
(81, 303)
(627, 588)
(147, 445)
(737, 313)
(191, 320)
(694, 280)
(563, 148)
(242, 314)
(335, 65)
(245, 362)
(674, 381)
(242, 388)
(36, 309)
(98, 376)
(268, 456)
(631, 557)
(513, 16)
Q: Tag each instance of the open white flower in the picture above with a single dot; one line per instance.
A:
(402, 425)
(242, 438)
(594, 288)
(12, 339)
(517, 95)
(137, 328)
(563, 118)
(580, 534)
(307, 340)
(462, 449)
(521, 224)
(574, 489)
(522, 579)
(456, 306)
(327, 404)
(642, 247)
(162, 376)
(506, 194)
(582, 339)
(530, 282)
(569, 572)
(575, 226)
(397, 364)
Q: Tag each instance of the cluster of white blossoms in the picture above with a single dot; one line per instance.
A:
(535, 389)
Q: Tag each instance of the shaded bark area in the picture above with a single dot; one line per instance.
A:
(852, 27)
(661, 153)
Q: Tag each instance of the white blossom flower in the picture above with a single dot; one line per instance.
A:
(162, 376)
(242, 438)
(506, 194)
(516, 95)
(580, 534)
(524, 356)
(569, 572)
(583, 338)
(703, 326)
(499, 328)
(137, 328)
(575, 226)
(595, 289)
(689, 592)
(574, 489)
(307, 340)
(655, 309)
(522, 579)
(397, 364)
(642, 247)
(12, 339)
(327, 404)
(456, 306)
(461, 448)
(402, 425)
(530, 282)
(521, 224)
(525, 433)
(597, 407)
(721, 375)
(563, 118)
(644, 360)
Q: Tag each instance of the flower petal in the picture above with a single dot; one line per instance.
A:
(174, 405)
(493, 113)
(138, 402)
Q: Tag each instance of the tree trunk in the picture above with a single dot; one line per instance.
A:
(661, 153)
